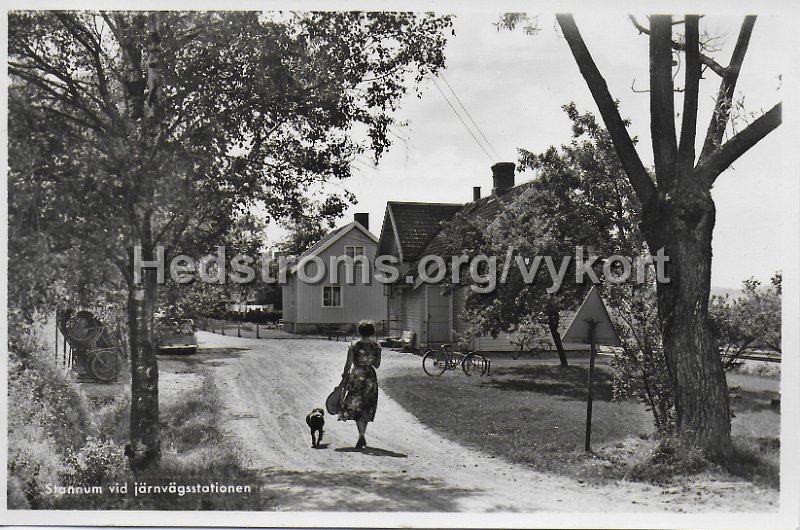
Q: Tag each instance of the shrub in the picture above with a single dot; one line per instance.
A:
(33, 463)
(41, 393)
(16, 497)
(672, 457)
(111, 420)
(48, 419)
(97, 463)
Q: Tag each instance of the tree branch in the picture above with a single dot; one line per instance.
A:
(719, 160)
(722, 108)
(662, 101)
(637, 174)
(680, 47)
(690, 98)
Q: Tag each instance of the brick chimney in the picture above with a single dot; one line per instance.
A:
(362, 218)
(476, 193)
(503, 177)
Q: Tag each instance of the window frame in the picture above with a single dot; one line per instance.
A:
(341, 296)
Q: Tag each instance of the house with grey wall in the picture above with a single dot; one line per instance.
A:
(315, 299)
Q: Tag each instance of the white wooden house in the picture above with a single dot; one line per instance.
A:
(314, 300)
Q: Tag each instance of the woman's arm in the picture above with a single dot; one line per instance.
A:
(349, 362)
(377, 362)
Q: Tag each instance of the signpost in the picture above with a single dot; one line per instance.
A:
(592, 325)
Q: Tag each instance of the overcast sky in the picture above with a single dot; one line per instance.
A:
(514, 85)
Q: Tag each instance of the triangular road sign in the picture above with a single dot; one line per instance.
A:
(592, 309)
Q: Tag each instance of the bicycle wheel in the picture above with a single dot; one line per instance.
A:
(434, 363)
(475, 363)
(103, 365)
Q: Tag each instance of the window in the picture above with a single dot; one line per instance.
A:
(331, 296)
(353, 251)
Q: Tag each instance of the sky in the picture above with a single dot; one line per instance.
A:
(514, 85)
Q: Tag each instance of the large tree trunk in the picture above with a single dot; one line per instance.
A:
(699, 386)
(145, 447)
(677, 209)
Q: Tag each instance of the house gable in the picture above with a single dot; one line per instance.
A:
(409, 226)
(322, 246)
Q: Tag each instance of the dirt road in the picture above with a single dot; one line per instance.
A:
(268, 386)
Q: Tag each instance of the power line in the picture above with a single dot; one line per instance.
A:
(441, 74)
(461, 120)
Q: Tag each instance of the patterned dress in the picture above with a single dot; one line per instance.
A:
(360, 397)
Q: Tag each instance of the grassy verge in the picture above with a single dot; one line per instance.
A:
(535, 415)
(196, 454)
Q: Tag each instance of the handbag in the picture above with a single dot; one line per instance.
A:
(334, 400)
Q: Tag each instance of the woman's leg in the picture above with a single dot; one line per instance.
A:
(362, 430)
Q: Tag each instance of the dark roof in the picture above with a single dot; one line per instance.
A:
(482, 212)
(418, 223)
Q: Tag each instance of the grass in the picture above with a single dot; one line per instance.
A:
(194, 451)
(535, 414)
(530, 414)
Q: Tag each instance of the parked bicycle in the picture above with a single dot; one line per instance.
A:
(436, 362)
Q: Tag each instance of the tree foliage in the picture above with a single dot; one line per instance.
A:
(580, 198)
(747, 322)
(133, 130)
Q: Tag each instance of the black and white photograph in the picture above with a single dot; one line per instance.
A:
(401, 265)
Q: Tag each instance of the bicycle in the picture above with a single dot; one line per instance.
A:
(436, 362)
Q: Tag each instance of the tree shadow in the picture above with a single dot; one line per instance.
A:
(359, 492)
(372, 451)
(207, 356)
(754, 401)
(569, 382)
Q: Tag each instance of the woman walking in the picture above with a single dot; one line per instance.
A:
(360, 397)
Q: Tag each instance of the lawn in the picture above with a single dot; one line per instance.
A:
(534, 414)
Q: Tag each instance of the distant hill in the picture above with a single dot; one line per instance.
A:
(722, 291)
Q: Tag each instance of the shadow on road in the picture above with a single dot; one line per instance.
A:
(359, 491)
(373, 451)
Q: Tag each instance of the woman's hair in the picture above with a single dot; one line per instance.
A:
(366, 328)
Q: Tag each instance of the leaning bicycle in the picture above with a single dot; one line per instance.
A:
(436, 362)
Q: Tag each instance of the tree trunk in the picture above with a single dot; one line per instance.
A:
(145, 447)
(700, 389)
(552, 323)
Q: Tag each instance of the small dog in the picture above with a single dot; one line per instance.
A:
(316, 420)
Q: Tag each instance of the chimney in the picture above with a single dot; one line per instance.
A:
(503, 177)
(362, 219)
(476, 193)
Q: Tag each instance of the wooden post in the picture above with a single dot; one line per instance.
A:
(592, 352)
(239, 329)
(258, 336)
(65, 350)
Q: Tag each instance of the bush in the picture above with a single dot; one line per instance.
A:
(16, 497)
(111, 420)
(41, 393)
(33, 463)
(97, 463)
(672, 457)
(48, 419)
